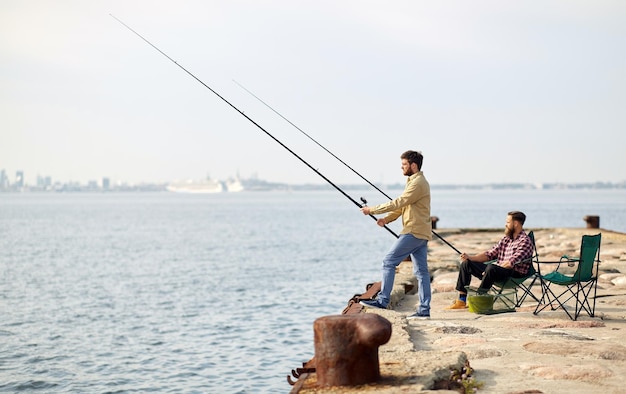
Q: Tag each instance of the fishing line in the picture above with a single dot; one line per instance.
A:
(311, 138)
(333, 155)
(250, 119)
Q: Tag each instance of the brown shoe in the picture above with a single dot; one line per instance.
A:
(458, 304)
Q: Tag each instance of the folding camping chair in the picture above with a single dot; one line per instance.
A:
(515, 284)
(578, 285)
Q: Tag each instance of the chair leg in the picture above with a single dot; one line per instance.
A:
(562, 304)
(545, 297)
(582, 298)
(509, 303)
(594, 285)
(549, 296)
(526, 292)
(498, 290)
(577, 291)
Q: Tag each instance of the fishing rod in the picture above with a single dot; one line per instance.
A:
(333, 155)
(252, 121)
(311, 138)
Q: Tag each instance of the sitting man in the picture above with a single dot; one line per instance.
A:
(512, 253)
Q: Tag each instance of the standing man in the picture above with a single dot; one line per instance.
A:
(414, 207)
(513, 254)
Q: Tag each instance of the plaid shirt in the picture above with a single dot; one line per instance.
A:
(514, 251)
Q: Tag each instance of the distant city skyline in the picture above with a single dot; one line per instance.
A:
(24, 178)
(49, 183)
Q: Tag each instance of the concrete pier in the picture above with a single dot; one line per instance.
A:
(512, 352)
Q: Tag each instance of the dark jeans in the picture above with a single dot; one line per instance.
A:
(488, 273)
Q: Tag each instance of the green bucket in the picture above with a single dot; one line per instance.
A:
(480, 303)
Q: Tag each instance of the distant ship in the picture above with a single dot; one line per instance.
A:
(191, 186)
(234, 185)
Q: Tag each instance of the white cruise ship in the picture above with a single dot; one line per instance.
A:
(192, 186)
(234, 185)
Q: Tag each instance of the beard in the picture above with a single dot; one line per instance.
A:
(408, 172)
(509, 231)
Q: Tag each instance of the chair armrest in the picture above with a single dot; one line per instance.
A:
(569, 260)
(547, 262)
(525, 260)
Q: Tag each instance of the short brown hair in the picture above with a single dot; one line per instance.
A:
(413, 157)
(518, 216)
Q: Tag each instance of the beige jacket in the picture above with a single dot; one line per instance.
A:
(414, 207)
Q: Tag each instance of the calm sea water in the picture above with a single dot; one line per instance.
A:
(161, 292)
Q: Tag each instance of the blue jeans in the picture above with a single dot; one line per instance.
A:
(407, 245)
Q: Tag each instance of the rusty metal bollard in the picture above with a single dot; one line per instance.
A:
(433, 222)
(592, 221)
(346, 348)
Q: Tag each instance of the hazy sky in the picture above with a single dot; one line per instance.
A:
(489, 91)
